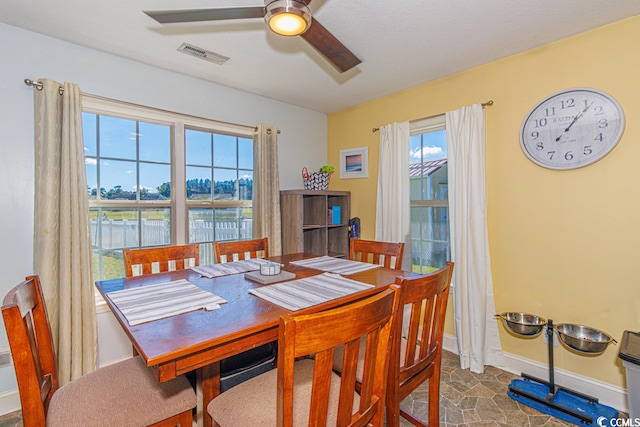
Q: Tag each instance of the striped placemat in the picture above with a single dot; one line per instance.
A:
(227, 268)
(153, 302)
(336, 265)
(303, 293)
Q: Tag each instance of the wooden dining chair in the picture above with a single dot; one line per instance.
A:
(305, 391)
(416, 356)
(384, 253)
(255, 361)
(241, 249)
(156, 260)
(122, 394)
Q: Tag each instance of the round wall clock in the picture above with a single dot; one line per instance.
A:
(572, 128)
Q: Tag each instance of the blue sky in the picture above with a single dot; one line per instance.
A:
(118, 136)
(428, 146)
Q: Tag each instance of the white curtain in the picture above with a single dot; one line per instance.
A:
(266, 187)
(474, 307)
(62, 240)
(393, 210)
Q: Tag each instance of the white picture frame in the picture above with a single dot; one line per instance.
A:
(354, 163)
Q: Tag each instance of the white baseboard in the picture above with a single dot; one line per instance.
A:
(9, 401)
(607, 394)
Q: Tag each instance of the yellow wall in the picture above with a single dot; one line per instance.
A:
(565, 245)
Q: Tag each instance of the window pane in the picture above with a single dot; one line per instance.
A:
(246, 223)
(415, 149)
(225, 151)
(227, 224)
(198, 183)
(118, 178)
(155, 227)
(245, 153)
(428, 166)
(155, 142)
(201, 225)
(198, 147)
(117, 228)
(92, 178)
(245, 185)
(117, 138)
(155, 181)
(430, 238)
(225, 184)
(107, 264)
(89, 134)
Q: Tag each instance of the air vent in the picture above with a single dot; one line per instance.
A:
(202, 54)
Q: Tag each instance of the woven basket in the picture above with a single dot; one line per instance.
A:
(315, 180)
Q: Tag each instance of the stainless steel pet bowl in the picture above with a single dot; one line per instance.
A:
(583, 338)
(524, 324)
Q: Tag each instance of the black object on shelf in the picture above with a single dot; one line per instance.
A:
(354, 227)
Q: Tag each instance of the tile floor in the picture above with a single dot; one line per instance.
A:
(466, 399)
(480, 400)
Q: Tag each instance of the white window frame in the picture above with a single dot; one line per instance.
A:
(178, 122)
(430, 124)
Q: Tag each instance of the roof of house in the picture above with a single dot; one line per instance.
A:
(427, 168)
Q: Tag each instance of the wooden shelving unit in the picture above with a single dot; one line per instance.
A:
(307, 225)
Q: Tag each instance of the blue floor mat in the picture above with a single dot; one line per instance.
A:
(561, 398)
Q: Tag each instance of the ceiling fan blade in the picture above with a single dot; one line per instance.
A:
(329, 46)
(194, 15)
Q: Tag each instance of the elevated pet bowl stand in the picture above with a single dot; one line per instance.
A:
(561, 402)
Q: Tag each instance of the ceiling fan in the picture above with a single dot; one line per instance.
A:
(284, 17)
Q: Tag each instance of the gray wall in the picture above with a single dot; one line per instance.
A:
(25, 54)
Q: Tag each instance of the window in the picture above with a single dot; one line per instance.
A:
(156, 178)
(430, 242)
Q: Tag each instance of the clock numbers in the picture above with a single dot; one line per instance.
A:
(540, 123)
(572, 128)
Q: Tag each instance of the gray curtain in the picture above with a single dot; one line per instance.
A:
(62, 241)
(266, 187)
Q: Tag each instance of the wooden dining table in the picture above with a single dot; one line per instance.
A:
(199, 340)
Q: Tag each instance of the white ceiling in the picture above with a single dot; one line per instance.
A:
(402, 43)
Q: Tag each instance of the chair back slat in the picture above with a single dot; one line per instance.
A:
(29, 334)
(386, 254)
(416, 357)
(155, 260)
(369, 319)
(241, 250)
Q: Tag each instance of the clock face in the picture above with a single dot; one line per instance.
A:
(572, 128)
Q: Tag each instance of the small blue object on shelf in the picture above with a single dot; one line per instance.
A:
(335, 210)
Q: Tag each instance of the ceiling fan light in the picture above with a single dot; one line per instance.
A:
(288, 17)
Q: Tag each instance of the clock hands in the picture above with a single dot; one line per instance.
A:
(575, 119)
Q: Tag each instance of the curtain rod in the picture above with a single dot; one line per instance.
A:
(38, 86)
(489, 103)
